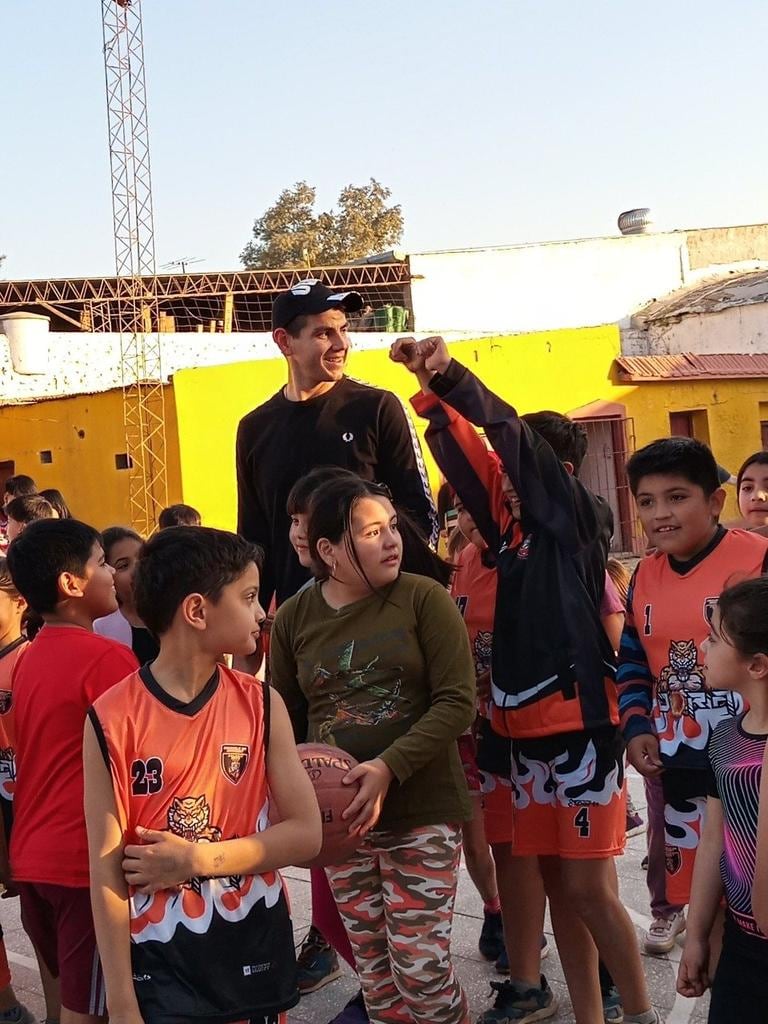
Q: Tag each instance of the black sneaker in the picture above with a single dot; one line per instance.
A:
(317, 963)
(518, 1005)
(491, 942)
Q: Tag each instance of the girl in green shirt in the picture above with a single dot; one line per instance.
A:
(377, 662)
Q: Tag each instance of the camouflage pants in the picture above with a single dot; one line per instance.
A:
(396, 898)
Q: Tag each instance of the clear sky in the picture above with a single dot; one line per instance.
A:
(492, 122)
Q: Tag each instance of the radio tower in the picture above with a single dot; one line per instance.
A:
(140, 352)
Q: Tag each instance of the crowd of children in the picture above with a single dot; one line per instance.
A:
(151, 793)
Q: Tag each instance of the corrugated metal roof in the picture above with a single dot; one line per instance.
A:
(689, 366)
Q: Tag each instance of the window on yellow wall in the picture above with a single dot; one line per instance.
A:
(764, 425)
(690, 423)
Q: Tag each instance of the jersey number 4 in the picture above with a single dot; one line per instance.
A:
(147, 776)
(581, 822)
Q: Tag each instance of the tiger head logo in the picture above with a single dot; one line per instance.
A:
(189, 817)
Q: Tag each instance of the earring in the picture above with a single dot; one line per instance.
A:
(333, 567)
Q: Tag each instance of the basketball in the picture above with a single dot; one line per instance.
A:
(326, 766)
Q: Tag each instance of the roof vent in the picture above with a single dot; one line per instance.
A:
(635, 222)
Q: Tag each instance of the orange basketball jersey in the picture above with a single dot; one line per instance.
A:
(672, 613)
(219, 947)
(9, 657)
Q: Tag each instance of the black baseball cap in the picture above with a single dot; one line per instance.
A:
(311, 296)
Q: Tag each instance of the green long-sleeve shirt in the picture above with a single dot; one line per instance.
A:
(389, 677)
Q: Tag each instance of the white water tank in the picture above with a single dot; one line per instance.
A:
(27, 335)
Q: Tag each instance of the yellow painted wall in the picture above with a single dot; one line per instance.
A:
(558, 370)
(732, 411)
(561, 370)
(84, 433)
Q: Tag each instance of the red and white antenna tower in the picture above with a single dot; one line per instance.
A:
(134, 233)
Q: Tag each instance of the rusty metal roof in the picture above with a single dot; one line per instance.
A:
(689, 366)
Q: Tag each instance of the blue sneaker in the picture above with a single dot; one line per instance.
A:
(317, 963)
(516, 1004)
(613, 1011)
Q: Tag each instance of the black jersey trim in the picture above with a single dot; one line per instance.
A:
(189, 708)
(9, 648)
(681, 568)
(100, 737)
(267, 708)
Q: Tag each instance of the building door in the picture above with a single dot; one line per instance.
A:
(611, 442)
(7, 469)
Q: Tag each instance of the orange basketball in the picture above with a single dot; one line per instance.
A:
(326, 766)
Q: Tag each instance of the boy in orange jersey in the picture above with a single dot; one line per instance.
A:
(181, 761)
(667, 712)
(552, 670)
(58, 566)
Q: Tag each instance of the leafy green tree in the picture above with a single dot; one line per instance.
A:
(290, 234)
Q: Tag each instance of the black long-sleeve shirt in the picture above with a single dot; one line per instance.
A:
(354, 426)
(553, 666)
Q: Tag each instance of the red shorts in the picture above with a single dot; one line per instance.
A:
(58, 920)
(498, 815)
(685, 803)
(569, 795)
(468, 755)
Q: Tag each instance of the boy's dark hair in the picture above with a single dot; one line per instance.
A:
(28, 508)
(743, 615)
(45, 550)
(303, 490)
(20, 484)
(187, 560)
(179, 515)
(56, 498)
(114, 534)
(675, 456)
(566, 437)
(761, 458)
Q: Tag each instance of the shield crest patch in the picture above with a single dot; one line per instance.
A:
(234, 760)
(673, 859)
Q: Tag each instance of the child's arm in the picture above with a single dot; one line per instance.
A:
(450, 678)
(635, 684)
(472, 471)
(760, 884)
(549, 495)
(109, 892)
(706, 892)
(166, 860)
(284, 676)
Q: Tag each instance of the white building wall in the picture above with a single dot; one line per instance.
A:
(583, 283)
(84, 363)
(738, 329)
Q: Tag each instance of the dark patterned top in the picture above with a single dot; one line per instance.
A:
(736, 759)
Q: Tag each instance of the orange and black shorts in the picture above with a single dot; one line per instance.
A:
(493, 756)
(569, 795)
(685, 803)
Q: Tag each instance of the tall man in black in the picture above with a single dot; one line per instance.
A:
(320, 418)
